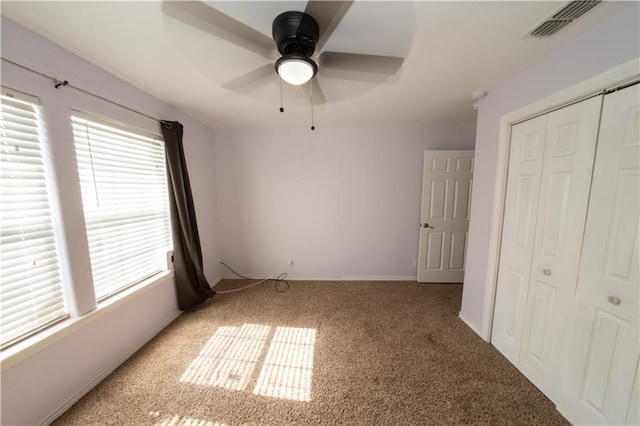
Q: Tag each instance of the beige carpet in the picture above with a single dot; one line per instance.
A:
(321, 353)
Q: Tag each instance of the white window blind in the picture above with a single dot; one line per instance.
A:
(125, 200)
(31, 295)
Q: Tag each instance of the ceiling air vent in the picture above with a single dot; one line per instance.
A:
(563, 17)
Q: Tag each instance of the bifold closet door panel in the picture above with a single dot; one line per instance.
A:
(633, 412)
(569, 153)
(603, 347)
(521, 203)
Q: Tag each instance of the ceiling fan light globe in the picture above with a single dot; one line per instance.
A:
(296, 70)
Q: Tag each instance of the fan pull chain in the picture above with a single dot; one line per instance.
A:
(311, 90)
(281, 108)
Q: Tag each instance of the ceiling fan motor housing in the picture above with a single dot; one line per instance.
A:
(295, 33)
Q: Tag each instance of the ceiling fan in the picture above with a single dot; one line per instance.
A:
(297, 37)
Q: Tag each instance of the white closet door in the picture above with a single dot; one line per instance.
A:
(633, 412)
(569, 151)
(523, 188)
(603, 349)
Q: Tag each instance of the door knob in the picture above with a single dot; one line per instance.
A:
(426, 225)
(547, 272)
(614, 300)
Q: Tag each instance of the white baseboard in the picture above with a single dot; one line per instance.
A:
(104, 373)
(376, 278)
(342, 278)
(213, 283)
(471, 326)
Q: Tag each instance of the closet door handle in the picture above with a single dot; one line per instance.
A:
(546, 272)
(614, 300)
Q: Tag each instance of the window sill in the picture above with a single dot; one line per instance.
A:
(36, 343)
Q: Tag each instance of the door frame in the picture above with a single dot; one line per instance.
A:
(614, 77)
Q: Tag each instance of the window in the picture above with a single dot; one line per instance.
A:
(31, 296)
(125, 200)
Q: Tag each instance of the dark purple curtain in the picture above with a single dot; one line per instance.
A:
(191, 285)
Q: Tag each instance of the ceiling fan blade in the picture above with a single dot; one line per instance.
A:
(199, 15)
(386, 65)
(251, 80)
(316, 95)
(328, 15)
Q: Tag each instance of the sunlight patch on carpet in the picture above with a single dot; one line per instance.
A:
(183, 421)
(229, 357)
(288, 367)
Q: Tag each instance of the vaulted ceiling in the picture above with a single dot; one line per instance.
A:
(450, 49)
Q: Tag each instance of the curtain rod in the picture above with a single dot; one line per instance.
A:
(65, 83)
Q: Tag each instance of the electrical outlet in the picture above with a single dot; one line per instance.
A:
(415, 263)
(291, 262)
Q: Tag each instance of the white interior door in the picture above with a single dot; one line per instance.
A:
(603, 352)
(569, 151)
(446, 199)
(518, 230)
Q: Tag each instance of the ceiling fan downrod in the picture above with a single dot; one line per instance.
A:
(295, 33)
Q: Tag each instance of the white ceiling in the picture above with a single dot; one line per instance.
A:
(450, 50)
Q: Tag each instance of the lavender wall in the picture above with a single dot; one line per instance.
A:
(341, 203)
(611, 43)
(36, 386)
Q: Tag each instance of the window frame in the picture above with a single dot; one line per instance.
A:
(67, 211)
(44, 153)
(107, 122)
